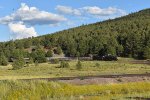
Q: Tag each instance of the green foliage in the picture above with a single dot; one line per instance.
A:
(125, 36)
(55, 61)
(18, 63)
(58, 50)
(3, 60)
(31, 61)
(64, 64)
(97, 65)
(79, 65)
(49, 53)
(39, 55)
(27, 44)
(36, 63)
(17, 53)
(147, 52)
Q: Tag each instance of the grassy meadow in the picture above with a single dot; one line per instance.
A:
(44, 90)
(13, 89)
(48, 70)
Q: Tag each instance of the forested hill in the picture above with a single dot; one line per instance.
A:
(127, 36)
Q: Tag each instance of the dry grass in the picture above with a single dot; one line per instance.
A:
(43, 90)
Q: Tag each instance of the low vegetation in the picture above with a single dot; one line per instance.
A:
(75, 68)
(37, 90)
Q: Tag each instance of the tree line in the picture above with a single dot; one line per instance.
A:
(127, 36)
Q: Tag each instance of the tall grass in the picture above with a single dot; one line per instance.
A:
(43, 90)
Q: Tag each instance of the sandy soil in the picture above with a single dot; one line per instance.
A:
(106, 80)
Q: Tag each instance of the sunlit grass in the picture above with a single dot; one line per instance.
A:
(47, 70)
(37, 90)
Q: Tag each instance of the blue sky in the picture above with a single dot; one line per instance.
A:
(25, 18)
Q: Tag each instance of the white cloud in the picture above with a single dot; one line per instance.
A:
(100, 12)
(32, 16)
(68, 10)
(94, 11)
(19, 31)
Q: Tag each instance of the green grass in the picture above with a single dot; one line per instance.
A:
(43, 90)
(47, 70)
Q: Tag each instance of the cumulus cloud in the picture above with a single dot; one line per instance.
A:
(68, 10)
(19, 31)
(94, 11)
(100, 12)
(32, 16)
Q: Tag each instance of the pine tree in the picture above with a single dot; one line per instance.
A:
(18, 63)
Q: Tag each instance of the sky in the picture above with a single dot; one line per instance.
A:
(26, 18)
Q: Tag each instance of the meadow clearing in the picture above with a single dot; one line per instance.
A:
(13, 89)
(48, 70)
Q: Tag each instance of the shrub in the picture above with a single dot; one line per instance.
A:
(3, 61)
(58, 50)
(31, 60)
(18, 64)
(55, 61)
(39, 55)
(79, 65)
(64, 64)
(49, 53)
(36, 63)
(97, 65)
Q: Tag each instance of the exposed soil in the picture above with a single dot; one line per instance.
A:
(140, 62)
(101, 79)
(106, 80)
(138, 98)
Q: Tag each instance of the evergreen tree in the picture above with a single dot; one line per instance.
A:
(147, 52)
(3, 60)
(58, 50)
(18, 63)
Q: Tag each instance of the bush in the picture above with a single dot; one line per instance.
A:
(97, 65)
(36, 63)
(3, 60)
(58, 51)
(79, 65)
(49, 53)
(64, 64)
(39, 55)
(18, 64)
(55, 61)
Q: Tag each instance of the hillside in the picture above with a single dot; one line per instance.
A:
(127, 36)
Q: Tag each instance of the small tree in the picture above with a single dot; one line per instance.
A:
(55, 61)
(3, 60)
(39, 55)
(36, 63)
(58, 50)
(31, 60)
(79, 65)
(64, 64)
(18, 63)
